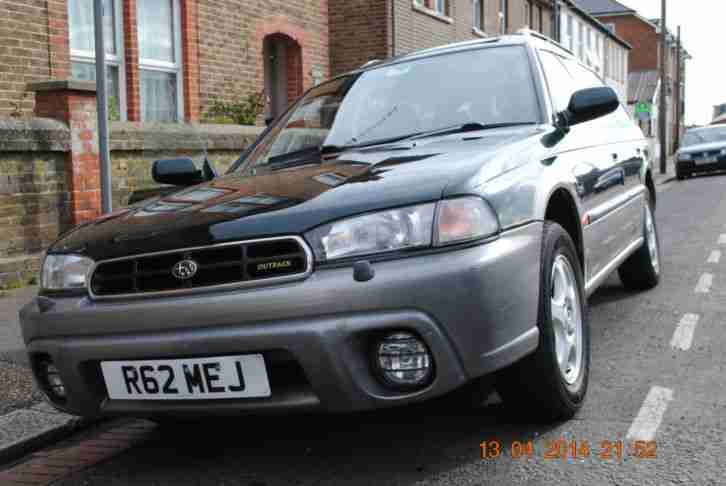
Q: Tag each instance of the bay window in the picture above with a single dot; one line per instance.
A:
(81, 34)
(160, 79)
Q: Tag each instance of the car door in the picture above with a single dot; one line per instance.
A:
(615, 213)
(591, 154)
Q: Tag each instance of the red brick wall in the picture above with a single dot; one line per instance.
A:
(24, 52)
(640, 35)
(359, 32)
(231, 34)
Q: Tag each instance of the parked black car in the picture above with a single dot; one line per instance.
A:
(403, 231)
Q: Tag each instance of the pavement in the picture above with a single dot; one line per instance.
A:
(669, 175)
(26, 422)
(655, 412)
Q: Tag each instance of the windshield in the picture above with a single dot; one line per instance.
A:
(485, 86)
(710, 135)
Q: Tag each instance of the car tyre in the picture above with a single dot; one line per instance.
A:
(680, 175)
(549, 385)
(641, 271)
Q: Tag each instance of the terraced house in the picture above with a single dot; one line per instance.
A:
(199, 76)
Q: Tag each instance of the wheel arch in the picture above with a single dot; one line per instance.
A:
(562, 209)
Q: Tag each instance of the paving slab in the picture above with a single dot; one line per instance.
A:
(26, 429)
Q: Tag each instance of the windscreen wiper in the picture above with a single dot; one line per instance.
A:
(461, 128)
(466, 127)
(306, 156)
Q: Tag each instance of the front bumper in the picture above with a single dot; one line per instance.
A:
(691, 166)
(476, 308)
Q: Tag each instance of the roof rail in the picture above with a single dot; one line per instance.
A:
(370, 63)
(543, 37)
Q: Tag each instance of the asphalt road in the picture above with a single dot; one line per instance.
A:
(640, 384)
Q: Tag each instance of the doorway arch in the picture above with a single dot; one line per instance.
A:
(283, 72)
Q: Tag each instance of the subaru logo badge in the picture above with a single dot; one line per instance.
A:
(185, 269)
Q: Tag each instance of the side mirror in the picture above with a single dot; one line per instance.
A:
(177, 172)
(589, 104)
(269, 119)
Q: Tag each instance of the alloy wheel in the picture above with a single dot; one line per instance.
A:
(566, 314)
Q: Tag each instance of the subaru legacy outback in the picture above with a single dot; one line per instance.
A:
(425, 225)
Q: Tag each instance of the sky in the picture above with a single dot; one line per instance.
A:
(702, 28)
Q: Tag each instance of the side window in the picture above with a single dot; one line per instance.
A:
(584, 78)
(560, 82)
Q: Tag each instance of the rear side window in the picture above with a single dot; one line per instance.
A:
(559, 80)
(584, 78)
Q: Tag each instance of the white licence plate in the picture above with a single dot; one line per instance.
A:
(707, 160)
(187, 379)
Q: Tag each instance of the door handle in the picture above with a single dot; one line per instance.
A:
(615, 157)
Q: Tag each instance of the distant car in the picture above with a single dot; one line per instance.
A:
(702, 150)
(413, 228)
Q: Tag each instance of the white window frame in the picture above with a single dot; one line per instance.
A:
(175, 67)
(115, 60)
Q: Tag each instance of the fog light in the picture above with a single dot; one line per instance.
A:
(403, 360)
(53, 382)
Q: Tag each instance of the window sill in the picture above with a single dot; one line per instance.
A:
(479, 33)
(433, 14)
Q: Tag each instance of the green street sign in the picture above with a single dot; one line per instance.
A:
(643, 107)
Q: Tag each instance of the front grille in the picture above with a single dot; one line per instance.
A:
(230, 264)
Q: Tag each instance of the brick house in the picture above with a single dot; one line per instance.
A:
(644, 35)
(383, 28)
(168, 60)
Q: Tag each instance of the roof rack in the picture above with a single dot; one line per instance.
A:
(543, 37)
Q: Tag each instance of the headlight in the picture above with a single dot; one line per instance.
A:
(392, 230)
(450, 221)
(723, 152)
(685, 157)
(65, 272)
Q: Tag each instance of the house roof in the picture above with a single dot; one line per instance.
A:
(577, 7)
(642, 86)
(602, 7)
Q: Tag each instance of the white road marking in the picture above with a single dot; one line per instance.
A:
(715, 256)
(683, 337)
(646, 423)
(704, 284)
(722, 239)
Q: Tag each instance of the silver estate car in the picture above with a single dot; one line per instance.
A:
(428, 224)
